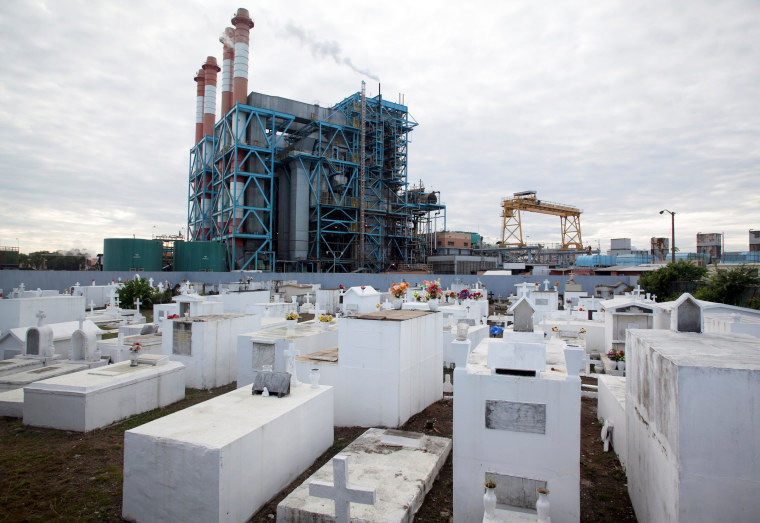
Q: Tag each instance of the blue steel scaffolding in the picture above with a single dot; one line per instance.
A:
(293, 189)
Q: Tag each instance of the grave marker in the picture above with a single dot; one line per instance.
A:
(341, 492)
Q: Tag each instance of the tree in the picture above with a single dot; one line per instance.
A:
(730, 286)
(133, 289)
(667, 283)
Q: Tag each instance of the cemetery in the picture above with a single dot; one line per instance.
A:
(397, 409)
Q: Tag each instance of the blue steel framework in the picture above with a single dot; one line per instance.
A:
(255, 146)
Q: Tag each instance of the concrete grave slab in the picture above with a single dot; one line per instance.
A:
(21, 379)
(400, 475)
(88, 400)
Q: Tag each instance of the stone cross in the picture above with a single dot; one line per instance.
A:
(341, 491)
(137, 305)
(21, 287)
(92, 306)
(637, 291)
(546, 285)
(150, 282)
(40, 316)
(291, 354)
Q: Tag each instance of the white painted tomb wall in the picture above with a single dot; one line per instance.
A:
(611, 407)
(692, 426)
(22, 312)
(358, 300)
(223, 459)
(387, 371)
(476, 334)
(521, 432)
(207, 346)
(237, 302)
(94, 398)
(267, 347)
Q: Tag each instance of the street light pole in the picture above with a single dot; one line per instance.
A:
(672, 232)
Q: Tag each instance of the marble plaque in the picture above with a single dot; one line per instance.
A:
(515, 416)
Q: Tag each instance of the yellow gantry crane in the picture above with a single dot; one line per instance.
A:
(511, 234)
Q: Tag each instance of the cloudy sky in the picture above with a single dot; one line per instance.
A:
(620, 108)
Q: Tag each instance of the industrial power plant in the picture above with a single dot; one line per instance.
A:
(291, 186)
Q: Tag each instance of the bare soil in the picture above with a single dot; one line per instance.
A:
(51, 475)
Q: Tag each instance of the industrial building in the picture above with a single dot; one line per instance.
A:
(292, 186)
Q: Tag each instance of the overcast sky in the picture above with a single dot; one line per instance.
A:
(620, 108)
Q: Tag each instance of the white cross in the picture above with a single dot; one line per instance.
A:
(150, 281)
(341, 491)
(637, 290)
(137, 304)
(40, 316)
(21, 287)
(92, 306)
(546, 285)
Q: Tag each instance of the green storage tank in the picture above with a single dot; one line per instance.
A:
(132, 254)
(200, 256)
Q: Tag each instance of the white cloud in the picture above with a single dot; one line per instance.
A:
(619, 108)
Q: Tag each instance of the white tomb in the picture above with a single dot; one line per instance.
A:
(361, 300)
(207, 346)
(24, 378)
(194, 305)
(692, 425)
(223, 459)
(267, 347)
(519, 431)
(94, 398)
(387, 367)
(399, 467)
(22, 312)
(475, 334)
(625, 313)
(237, 302)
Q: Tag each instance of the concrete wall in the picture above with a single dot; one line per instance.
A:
(496, 284)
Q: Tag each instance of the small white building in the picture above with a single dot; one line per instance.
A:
(621, 314)
(358, 300)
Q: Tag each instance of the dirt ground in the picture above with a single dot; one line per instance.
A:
(51, 475)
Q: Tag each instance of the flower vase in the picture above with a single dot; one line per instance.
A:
(542, 505)
(397, 303)
(323, 325)
(291, 324)
(133, 359)
(621, 366)
(314, 378)
(489, 502)
(613, 365)
(433, 304)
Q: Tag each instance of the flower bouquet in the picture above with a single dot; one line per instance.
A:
(433, 289)
(291, 316)
(463, 294)
(325, 318)
(398, 290)
(476, 295)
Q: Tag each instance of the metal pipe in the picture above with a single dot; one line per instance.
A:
(673, 233)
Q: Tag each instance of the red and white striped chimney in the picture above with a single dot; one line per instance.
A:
(228, 40)
(200, 80)
(210, 69)
(243, 25)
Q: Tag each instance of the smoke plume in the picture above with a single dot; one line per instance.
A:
(325, 48)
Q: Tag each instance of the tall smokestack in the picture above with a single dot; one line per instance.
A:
(200, 80)
(243, 25)
(210, 69)
(228, 41)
